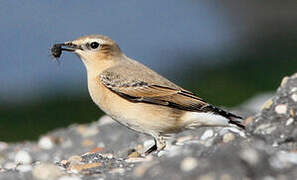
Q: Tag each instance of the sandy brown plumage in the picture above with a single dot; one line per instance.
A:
(135, 82)
(137, 96)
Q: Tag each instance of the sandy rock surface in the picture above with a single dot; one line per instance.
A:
(107, 150)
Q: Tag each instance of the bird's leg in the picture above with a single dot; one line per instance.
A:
(159, 145)
(151, 149)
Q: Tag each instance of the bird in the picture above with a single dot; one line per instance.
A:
(138, 97)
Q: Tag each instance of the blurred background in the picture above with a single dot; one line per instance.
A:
(226, 52)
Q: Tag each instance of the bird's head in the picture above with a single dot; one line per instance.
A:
(91, 49)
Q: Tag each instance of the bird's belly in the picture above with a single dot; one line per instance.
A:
(141, 117)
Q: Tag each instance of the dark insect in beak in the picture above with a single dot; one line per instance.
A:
(57, 49)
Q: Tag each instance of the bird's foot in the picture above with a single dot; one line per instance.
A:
(159, 145)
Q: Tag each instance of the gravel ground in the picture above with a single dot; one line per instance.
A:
(107, 150)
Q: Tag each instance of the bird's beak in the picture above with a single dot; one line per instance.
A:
(57, 49)
(69, 46)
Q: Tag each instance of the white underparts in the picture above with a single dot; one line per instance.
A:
(196, 119)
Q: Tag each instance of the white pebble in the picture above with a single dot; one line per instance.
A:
(289, 121)
(207, 134)
(45, 142)
(228, 137)
(188, 164)
(23, 157)
(92, 131)
(69, 178)
(104, 120)
(161, 153)
(117, 171)
(281, 109)
(275, 144)
(294, 97)
(294, 89)
(107, 155)
(250, 155)
(181, 140)
(10, 165)
(3, 145)
(237, 131)
(24, 168)
(173, 151)
(46, 172)
(288, 157)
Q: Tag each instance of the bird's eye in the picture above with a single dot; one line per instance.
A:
(94, 45)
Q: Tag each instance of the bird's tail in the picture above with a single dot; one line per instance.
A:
(233, 119)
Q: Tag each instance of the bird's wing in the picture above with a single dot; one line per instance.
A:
(148, 87)
(137, 83)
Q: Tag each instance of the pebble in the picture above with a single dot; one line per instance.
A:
(104, 120)
(275, 144)
(267, 104)
(294, 97)
(281, 109)
(69, 178)
(139, 148)
(266, 128)
(250, 155)
(210, 176)
(288, 157)
(140, 170)
(45, 142)
(206, 135)
(225, 177)
(289, 121)
(3, 145)
(10, 165)
(292, 112)
(134, 154)
(87, 131)
(97, 149)
(24, 168)
(180, 141)
(228, 137)
(46, 171)
(107, 155)
(236, 131)
(188, 164)
(80, 167)
(74, 160)
(284, 80)
(87, 143)
(117, 171)
(161, 153)
(23, 157)
(139, 159)
(294, 89)
(277, 162)
(174, 151)
(248, 120)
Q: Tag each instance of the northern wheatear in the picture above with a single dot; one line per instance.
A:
(136, 96)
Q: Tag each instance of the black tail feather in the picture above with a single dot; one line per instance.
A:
(237, 123)
(232, 117)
